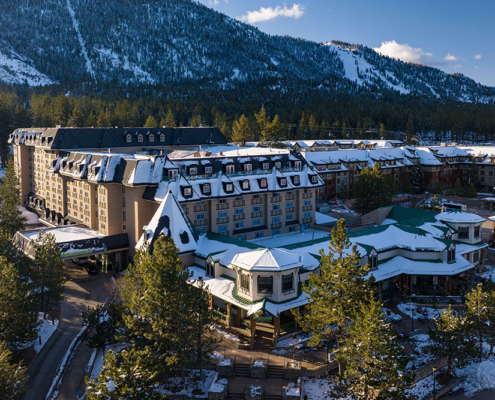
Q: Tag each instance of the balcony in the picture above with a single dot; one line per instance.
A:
(239, 203)
(202, 222)
(256, 201)
(307, 220)
(290, 169)
(307, 208)
(257, 214)
(277, 226)
(253, 172)
(223, 220)
(289, 197)
(204, 176)
(200, 208)
(290, 209)
(239, 217)
(307, 195)
(276, 212)
(276, 199)
(222, 206)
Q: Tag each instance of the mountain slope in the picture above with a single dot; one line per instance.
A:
(165, 41)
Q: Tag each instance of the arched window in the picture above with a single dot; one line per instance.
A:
(162, 137)
(151, 138)
(451, 253)
(140, 138)
(373, 259)
(210, 267)
(128, 138)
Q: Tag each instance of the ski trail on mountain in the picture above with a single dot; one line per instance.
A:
(89, 66)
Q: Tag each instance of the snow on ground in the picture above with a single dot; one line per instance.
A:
(45, 331)
(479, 376)
(228, 335)
(99, 358)
(489, 274)
(418, 344)
(421, 312)
(315, 388)
(391, 316)
(192, 381)
(221, 360)
(15, 69)
(423, 388)
(299, 340)
(291, 238)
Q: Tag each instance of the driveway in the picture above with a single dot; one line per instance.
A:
(80, 291)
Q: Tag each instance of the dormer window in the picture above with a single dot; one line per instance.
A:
(263, 183)
(373, 259)
(278, 164)
(266, 165)
(314, 179)
(296, 179)
(283, 182)
(451, 253)
(140, 138)
(162, 137)
(297, 164)
(210, 267)
(172, 173)
(448, 235)
(193, 170)
(245, 185)
(208, 169)
(151, 138)
(229, 187)
(206, 188)
(187, 191)
(128, 138)
(229, 169)
(248, 167)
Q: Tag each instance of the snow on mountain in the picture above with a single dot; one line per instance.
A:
(14, 69)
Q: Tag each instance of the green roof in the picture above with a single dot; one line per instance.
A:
(231, 240)
(367, 247)
(401, 214)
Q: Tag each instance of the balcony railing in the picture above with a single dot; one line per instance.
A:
(222, 220)
(307, 195)
(204, 176)
(276, 199)
(290, 169)
(257, 214)
(200, 208)
(307, 220)
(307, 208)
(289, 197)
(252, 172)
(239, 217)
(289, 209)
(256, 201)
(222, 206)
(276, 212)
(239, 203)
(202, 222)
(277, 226)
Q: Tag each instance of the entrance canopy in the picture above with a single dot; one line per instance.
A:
(74, 241)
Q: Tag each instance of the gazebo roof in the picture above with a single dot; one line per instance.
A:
(267, 260)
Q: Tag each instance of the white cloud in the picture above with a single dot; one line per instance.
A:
(266, 14)
(404, 52)
(477, 56)
(450, 57)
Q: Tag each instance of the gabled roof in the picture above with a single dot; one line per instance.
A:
(401, 214)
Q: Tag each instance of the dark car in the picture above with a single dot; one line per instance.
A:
(80, 261)
(91, 269)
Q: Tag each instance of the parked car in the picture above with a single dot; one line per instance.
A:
(91, 269)
(80, 261)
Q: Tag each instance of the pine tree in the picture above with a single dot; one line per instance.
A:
(274, 132)
(12, 376)
(49, 273)
(77, 117)
(91, 121)
(263, 121)
(458, 189)
(106, 324)
(335, 294)
(18, 309)
(169, 121)
(410, 139)
(375, 364)
(103, 120)
(130, 374)
(382, 131)
(480, 306)
(150, 122)
(303, 131)
(372, 190)
(11, 219)
(241, 131)
(194, 121)
(473, 177)
(10, 250)
(451, 339)
(417, 179)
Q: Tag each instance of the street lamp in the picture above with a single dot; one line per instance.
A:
(434, 385)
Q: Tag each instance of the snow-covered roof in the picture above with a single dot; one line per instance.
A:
(323, 219)
(267, 260)
(65, 234)
(459, 217)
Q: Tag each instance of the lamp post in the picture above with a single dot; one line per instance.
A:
(434, 385)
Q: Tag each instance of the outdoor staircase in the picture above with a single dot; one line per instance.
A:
(275, 372)
(242, 370)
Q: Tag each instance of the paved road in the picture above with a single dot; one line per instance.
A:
(80, 292)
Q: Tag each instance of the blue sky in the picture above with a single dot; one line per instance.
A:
(455, 35)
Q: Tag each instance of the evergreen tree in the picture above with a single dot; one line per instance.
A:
(103, 119)
(130, 374)
(150, 122)
(10, 250)
(451, 339)
(241, 131)
(410, 138)
(263, 121)
(18, 311)
(49, 274)
(61, 110)
(194, 121)
(335, 294)
(417, 179)
(159, 302)
(480, 306)
(371, 190)
(11, 219)
(274, 132)
(473, 176)
(124, 114)
(91, 121)
(303, 131)
(12, 376)
(382, 131)
(169, 121)
(106, 324)
(471, 191)
(458, 189)
(77, 117)
(375, 364)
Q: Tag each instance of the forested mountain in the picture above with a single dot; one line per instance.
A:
(104, 44)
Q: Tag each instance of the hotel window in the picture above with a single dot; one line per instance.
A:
(162, 137)
(124, 228)
(289, 204)
(200, 217)
(123, 201)
(128, 139)
(289, 217)
(222, 229)
(245, 185)
(373, 259)
(275, 207)
(259, 235)
(275, 220)
(239, 225)
(256, 209)
(248, 167)
(288, 283)
(152, 138)
(201, 231)
(222, 214)
(283, 182)
(265, 284)
(296, 179)
(297, 164)
(123, 216)
(193, 170)
(229, 169)
(266, 165)
(314, 179)
(210, 268)
(229, 187)
(187, 191)
(222, 201)
(278, 164)
(477, 230)
(239, 211)
(307, 202)
(244, 284)
(451, 254)
(140, 138)
(463, 232)
(241, 237)
(263, 183)
(256, 222)
(307, 215)
(208, 169)
(206, 188)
